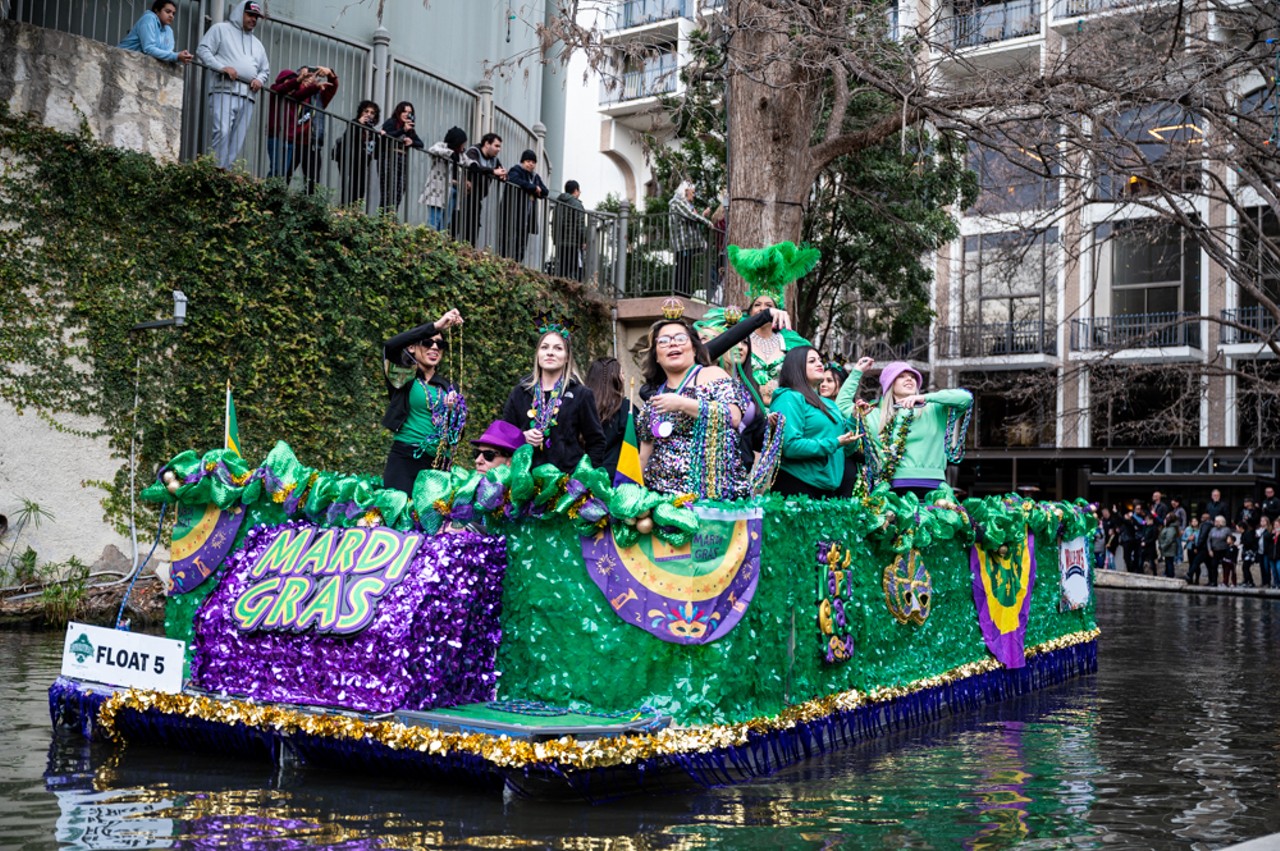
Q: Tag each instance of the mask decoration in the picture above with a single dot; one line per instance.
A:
(908, 588)
(834, 603)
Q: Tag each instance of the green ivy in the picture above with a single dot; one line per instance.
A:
(289, 300)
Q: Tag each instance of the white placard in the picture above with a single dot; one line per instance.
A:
(1074, 565)
(120, 658)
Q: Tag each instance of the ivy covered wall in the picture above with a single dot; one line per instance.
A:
(289, 299)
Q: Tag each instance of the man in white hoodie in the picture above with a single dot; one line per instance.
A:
(242, 69)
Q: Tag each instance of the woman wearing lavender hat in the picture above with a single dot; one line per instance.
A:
(913, 435)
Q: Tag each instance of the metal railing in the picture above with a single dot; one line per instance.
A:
(690, 265)
(1259, 325)
(659, 77)
(1072, 8)
(999, 339)
(1135, 331)
(999, 22)
(915, 347)
(637, 13)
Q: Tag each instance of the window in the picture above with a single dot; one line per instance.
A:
(1009, 295)
(1014, 176)
(1149, 149)
(1012, 408)
(1258, 404)
(1144, 406)
(1154, 268)
(1259, 257)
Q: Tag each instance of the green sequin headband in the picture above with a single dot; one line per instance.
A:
(547, 326)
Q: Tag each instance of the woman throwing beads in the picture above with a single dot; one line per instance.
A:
(913, 435)
(688, 428)
(426, 413)
(553, 408)
(815, 436)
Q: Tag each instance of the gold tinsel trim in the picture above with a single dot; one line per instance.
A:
(567, 751)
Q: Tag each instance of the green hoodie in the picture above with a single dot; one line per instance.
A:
(811, 448)
(925, 456)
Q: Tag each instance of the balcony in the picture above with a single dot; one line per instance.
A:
(638, 13)
(1136, 331)
(995, 23)
(999, 340)
(636, 91)
(1256, 319)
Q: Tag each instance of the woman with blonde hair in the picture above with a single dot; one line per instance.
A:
(553, 408)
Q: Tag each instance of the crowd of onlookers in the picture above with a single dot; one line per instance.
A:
(1226, 547)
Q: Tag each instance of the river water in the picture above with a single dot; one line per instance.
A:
(1175, 743)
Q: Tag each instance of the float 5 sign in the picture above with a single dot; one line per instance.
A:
(121, 658)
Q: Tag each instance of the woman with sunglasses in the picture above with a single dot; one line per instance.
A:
(553, 408)
(422, 408)
(688, 428)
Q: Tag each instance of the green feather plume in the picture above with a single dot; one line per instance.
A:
(768, 270)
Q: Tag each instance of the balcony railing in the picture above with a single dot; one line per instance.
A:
(915, 347)
(999, 339)
(658, 77)
(1073, 8)
(989, 24)
(1258, 325)
(669, 257)
(1135, 331)
(637, 13)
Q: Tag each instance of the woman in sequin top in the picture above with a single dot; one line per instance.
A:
(688, 429)
(418, 402)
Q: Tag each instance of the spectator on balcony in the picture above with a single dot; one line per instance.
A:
(440, 192)
(291, 112)
(484, 169)
(689, 230)
(355, 151)
(569, 231)
(398, 136)
(311, 122)
(520, 210)
(243, 69)
(153, 33)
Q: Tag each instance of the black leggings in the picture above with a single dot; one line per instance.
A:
(788, 485)
(402, 468)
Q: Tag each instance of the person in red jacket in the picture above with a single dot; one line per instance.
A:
(295, 99)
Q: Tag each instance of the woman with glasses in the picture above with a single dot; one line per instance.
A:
(553, 408)
(424, 411)
(688, 428)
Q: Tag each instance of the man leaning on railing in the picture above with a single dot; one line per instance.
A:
(232, 48)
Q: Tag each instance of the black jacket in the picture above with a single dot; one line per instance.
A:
(615, 431)
(1217, 508)
(1271, 508)
(398, 397)
(577, 426)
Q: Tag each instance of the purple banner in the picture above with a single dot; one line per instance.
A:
(1002, 585)
(397, 628)
(202, 537)
(686, 595)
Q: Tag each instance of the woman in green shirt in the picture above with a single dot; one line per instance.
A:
(815, 435)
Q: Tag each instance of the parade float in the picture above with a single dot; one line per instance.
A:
(561, 636)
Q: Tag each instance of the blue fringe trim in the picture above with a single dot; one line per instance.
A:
(74, 705)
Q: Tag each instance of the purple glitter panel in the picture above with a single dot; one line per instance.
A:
(431, 643)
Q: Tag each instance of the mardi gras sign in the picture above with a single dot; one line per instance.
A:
(692, 594)
(835, 602)
(1002, 583)
(329, 580)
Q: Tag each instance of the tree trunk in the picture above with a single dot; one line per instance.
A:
(770, 118)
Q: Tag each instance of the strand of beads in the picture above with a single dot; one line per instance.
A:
(955, 435)
(542, 415)
(439, 419)
(898, 446)
(455, 424)
(766, 469)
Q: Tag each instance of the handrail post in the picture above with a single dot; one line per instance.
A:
(621, 224)
(540, 148)
(484, 110)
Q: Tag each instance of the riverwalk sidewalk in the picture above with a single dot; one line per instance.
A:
(1147, 582)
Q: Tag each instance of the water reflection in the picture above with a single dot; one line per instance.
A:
(1172, 745)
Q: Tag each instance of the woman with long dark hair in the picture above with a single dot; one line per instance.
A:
(833, 378)
(425, 412)
(393, 158)
(815, 435)
(553, 408)
(355, 151)
(604, 377)
(688, 428)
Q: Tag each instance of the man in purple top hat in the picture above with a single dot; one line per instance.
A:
(495, 447)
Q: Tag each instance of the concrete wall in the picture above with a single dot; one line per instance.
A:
(127, 100)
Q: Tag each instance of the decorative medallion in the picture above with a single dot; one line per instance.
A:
(908, 588)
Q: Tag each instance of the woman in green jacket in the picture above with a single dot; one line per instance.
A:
(913, 435)
(815, 434)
